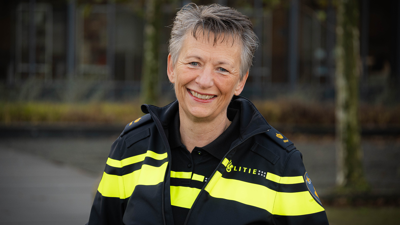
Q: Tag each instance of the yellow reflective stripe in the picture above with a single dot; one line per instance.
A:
(113, 185)
(156, 156)
(240, 191)
(121, 163)
(182, 175)
(135, 159)
(284, 180)
(183, 196)
(187, 175)
(295, 204)
(292, 180)
(122, 186)
(225, 162)
(262, 197)
(198, 177)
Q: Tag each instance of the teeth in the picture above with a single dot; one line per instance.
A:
(204, 97)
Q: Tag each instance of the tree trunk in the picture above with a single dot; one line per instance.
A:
(350, 177)
(149, 87)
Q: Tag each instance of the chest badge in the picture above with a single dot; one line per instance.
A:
(229, 166)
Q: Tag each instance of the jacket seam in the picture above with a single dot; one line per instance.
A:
(280, 185)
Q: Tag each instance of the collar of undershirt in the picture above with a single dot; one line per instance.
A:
(217, 148)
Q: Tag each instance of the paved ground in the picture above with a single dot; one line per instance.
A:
(36, 191)
(51, 181)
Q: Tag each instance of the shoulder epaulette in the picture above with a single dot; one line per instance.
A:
(281, 140)
(136, 123)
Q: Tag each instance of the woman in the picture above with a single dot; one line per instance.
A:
(209, 157)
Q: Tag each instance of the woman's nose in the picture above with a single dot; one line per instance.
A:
(205, 78)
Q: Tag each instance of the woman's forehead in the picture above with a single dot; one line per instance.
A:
(204, 44)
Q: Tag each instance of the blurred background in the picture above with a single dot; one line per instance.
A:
(74, 72)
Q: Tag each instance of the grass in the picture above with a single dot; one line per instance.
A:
(363, 215)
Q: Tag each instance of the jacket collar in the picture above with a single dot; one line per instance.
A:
(251, 120)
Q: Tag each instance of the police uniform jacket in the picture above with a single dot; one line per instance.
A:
(261, 179)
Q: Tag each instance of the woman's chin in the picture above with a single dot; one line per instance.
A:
(200, 114)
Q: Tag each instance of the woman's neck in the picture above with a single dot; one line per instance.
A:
(199, 133)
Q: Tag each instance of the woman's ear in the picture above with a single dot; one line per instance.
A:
(240, 86)
(170, 69)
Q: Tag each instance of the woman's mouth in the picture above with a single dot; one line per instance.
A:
(201, 96)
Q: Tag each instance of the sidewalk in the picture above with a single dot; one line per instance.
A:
(37, 192)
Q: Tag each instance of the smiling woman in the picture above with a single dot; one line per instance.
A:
(206, 76)
(182, 163)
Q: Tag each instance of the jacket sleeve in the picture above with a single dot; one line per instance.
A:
(109, 203)
(297, 201)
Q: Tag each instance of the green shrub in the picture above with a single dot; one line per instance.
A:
(282, 111)
(38, 112)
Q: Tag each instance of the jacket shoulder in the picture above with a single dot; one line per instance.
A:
(280, 140)
(273, 146)
(136, 124)
(133, 132)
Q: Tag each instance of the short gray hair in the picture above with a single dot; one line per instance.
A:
(219, 20)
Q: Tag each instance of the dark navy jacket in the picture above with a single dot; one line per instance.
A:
(261, 180)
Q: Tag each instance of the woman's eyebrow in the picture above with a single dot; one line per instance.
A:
(193, 56)
(223, 62)
(219, 62)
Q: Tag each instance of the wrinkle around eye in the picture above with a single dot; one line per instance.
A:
(223, 70)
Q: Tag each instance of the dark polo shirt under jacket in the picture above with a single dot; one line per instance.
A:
(191, 171)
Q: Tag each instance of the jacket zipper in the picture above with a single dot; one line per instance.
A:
(212, 175)
(164, 137)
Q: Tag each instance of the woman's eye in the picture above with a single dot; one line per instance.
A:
(194, 63)
(220, 69)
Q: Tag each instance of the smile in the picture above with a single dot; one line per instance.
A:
(201, 96)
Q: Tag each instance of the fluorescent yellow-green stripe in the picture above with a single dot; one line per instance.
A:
(187, 175)
(123, 186)
(284, 180)
(183, 196)
(225, 162)
(182, 175)
(198, 177)
(295, 204)
(121, 163)
(277, 203)
(135, 159)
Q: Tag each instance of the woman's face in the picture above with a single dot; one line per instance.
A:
(206, 76)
